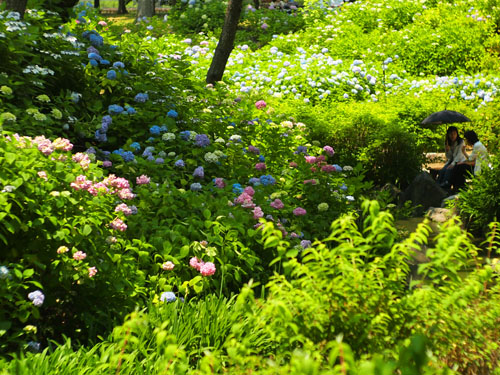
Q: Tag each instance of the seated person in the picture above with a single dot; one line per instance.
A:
(472, 165)
(455, 153)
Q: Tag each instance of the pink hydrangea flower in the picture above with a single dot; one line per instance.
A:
(62, 144)
(320, 158)
(81, 183)
(126, 194)
(123, 208)
(92, 271)
(118, 224)
(312, 182)
(102, 23)
(328, 168)
(62, 249)
(142, 180)
(264, 26)
(310, 159)
(207, 269)
(219, 182)
(245, 200)
(195, 263)
(107, 163)
(260, 166)
(293, 164)
(249, 190)
(168, 266)
(42, 174)
(277, 204)
(260, 104)
(95, 189)
(253, 150)
(79, 255)
(257, 213)
(299, 211)
(329, 150)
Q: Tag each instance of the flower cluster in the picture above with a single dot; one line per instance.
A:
(109, 185)
(37, 297)
(206, 269)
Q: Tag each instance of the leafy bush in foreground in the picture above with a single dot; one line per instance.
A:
(348, 303)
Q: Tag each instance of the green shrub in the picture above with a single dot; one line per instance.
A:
(479, 203)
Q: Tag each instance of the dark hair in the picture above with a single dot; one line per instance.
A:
(451, 129)
(471, 136)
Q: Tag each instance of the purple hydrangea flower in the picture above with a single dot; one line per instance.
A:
(199, 172)
(202, 140)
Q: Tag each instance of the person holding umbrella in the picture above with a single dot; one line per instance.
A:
(472, 165)
(455, 154)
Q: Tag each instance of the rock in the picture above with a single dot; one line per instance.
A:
(439, 215)
(423, 192)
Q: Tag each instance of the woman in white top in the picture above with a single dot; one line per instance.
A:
(455, 153)
(473, 164)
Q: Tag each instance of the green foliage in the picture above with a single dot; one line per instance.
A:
(45, 225)
(479, 204)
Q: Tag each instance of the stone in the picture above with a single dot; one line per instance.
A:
(438, 214)
(424, 193)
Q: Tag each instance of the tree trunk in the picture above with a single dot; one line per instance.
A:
(16, 6)
(97, 4)
(145, 8)
(256, 3)
(122, 9)
(226, 41)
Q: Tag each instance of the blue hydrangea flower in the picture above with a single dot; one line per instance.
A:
(148, 151)
(135, 145)
(128, 156)
(164, 128)
(107, 120)
(199, 172)
(111, 74)
(151, 158)
(195, 186)
(104, 62)
(115, 109)
(4, 272)
(237, 188)
(96, 40)
(155, 130)
(33, 346)
(141, 98)
(180, 163)
(118, 65)
(338, 168)
(100, 136)
(343, 187)
(202, 140)
(159, 160)
(131, 110)
(301, 150)
(262, 158)
(267, 180)
(254, 181)
(172, 114)
(94, 56)
(305, 244)
(168, 296)
(185, 135)
(93, 62)
(75, 97)
(37, 297)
